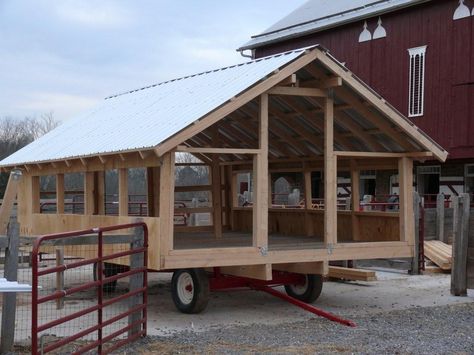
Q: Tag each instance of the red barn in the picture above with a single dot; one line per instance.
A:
(418, 54)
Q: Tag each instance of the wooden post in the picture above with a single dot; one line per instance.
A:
(89, 188)
(35, 194)
(153, 191)
(216, 197)
(460, 246)
(228, 196)
(308, 203)
(440, 217)
(405, 173)
(136, 280)
(260, 180)
(167, 181)
(60, 193)
(123, 191)
(415, 263)
(330, 176)
(99, 196)
(355, 200)
(9, 298)
(9, 197)
(60, 277)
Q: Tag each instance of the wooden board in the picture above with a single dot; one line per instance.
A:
(345, 273)
(440, 253)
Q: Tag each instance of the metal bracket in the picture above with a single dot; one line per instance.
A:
(263, 251)
(330, 248)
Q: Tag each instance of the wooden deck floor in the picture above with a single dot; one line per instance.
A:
(199, 240)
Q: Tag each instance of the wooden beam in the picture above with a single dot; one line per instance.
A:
(297, 107)
(296, 91)
(258, 272)
(330, 176)
(99, 196)
(291, 80)
(355, 200)
(60, 193)
(35, 194)
(167, 182)
(316, 267)
(89, 188)
(153, 191)
(123, 191)
(351, 274)
(216, 189)
(260, 180)
(382, 154)
(309, 203)
(405, 182)
(184, 149)
(238, 102)
(381, 105)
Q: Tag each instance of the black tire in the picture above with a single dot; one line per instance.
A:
(309, 292)
(190, 290)
(108, 270)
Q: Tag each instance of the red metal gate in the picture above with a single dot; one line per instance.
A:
(87, 307)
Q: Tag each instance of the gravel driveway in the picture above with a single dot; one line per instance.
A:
(425, 330)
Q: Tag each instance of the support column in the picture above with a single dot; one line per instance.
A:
(99, 178)
(166, 204)
(123, 191)
(60, 194)
(330, 175)
(153, 191)
(260, 180)
(308, 203)
(89, 193)
(216, 188)
(405, 179)
(35, 194)
(355, 200)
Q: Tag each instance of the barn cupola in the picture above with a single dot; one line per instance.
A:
(462, 11)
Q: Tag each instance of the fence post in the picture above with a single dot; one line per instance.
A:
(461, 234)
(440, 217)
(136, 280)
(9, 298)
(415, 263)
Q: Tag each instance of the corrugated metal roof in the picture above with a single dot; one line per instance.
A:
(146, 117)
(318, 15)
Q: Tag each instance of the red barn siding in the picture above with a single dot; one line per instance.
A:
(384, 64)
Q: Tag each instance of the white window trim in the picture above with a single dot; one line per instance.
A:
(413, 52)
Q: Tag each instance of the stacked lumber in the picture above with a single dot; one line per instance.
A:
(440, 253)
(345, 273)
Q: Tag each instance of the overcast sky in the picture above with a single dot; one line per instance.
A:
(66, 55)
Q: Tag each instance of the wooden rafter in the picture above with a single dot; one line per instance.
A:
(297, 107)
(377, 121)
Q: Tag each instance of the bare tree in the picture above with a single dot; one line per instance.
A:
(16, 133)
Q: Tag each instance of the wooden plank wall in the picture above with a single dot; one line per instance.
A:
(373, 226)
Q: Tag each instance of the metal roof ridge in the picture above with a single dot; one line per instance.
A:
(211, 71)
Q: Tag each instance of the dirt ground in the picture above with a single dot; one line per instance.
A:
(396, 314)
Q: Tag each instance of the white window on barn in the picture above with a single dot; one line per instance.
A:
(416, 81)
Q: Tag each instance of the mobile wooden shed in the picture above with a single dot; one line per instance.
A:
(300, 111)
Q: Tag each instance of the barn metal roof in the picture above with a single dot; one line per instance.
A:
(318, 15)
(144, 118)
